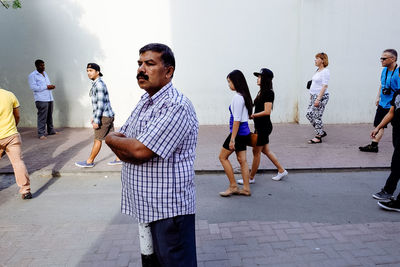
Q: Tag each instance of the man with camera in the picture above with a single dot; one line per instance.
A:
(389, 84)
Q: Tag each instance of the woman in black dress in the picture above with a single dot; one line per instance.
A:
(262, 124)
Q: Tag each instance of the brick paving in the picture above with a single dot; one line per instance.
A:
(243, 243)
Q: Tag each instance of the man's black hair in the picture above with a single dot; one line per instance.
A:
(38, 62)
(391, 51)
(167, 56)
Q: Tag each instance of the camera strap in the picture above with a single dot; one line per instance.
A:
(387, 70)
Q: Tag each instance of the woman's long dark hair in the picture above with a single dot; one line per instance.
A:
(265, 86)
(239, 81)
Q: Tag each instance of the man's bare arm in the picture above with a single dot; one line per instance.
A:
(16, 115)
(129, 149)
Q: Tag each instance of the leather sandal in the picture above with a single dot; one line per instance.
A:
(27, 195)
(229, 192)
(311, 141)
(244, 192)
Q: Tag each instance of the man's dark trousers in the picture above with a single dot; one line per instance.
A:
(391, 182)
(174, 241)
(44, 117)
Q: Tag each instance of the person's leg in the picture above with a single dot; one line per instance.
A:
(272, 158)
(244, 168)
(319, 111)
(99, 135)
(95, 151)
(13, 150)
(256, 161)
(49, 120)
(310, 111)
(378, 136)
(393, 179)
(174, 241)
(373, 147)
(386, 201)
(226, 164)
(41, 117)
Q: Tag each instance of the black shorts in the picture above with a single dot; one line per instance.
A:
(241, 142)
(263, 136)
(379, 115)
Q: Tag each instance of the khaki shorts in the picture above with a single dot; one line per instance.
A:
(107, 126)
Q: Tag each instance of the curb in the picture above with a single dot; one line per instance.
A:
(51, 173)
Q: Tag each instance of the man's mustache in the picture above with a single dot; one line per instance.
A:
(142, 75)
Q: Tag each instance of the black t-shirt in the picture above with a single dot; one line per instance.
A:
(261, 99)
(396, 103)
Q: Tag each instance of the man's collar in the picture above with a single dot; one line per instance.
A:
(37, 72)
(93, 82)
(159, 94)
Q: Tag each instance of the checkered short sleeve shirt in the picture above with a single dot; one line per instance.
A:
(163, 187)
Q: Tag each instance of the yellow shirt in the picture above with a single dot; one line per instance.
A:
(8, 102)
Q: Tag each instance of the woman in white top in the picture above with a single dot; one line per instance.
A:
(240, 110)
(319, 97)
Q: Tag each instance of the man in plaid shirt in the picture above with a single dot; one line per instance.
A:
(103, 115)
(157, 145)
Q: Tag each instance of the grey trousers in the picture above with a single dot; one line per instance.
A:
(44, 117)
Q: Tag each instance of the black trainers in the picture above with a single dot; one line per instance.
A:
(26, 195)
(383, 196)
(393, 205)
(369, 148)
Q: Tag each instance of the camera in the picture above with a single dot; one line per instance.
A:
(387, 91)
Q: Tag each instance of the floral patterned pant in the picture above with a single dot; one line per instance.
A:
(314, 114)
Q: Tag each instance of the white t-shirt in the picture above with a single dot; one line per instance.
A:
(239, 110)
(319, 79)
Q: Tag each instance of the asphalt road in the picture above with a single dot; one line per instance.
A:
(326, 197)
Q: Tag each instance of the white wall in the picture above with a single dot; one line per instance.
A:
(209, 38)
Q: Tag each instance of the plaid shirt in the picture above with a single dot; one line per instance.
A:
(162, 187)
(100, 101)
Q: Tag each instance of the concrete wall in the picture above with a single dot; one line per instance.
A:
(210, 38)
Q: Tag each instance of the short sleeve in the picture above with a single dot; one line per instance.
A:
(383, 76)
(269, 96)
(325, 77)
(237, 107)
(166, 131)
(14, 100)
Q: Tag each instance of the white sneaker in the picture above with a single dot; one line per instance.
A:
(251, 181)
(280, 175)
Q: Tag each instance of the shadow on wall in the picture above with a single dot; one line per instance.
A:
(49, 30)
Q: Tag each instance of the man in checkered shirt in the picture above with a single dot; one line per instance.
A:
(157, 145)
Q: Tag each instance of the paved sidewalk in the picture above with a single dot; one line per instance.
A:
(339, 149)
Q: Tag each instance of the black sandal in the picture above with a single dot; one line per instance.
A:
(313, 142)
(324, 134)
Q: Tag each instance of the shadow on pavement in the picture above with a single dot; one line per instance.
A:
(41, 155)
